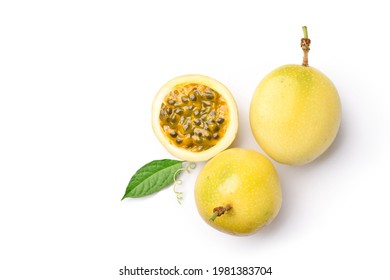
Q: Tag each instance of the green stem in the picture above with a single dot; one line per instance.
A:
(215, 214)
(305, 34)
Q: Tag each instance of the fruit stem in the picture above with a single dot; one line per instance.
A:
(215, 214)
(219, 211)
(305, 33)
(305, 45)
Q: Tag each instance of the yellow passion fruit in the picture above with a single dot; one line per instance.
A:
(238, 192)
(194, 117)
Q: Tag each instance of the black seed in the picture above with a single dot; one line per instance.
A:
(203, 117)
(209, 90)
(185, 99)
(173, 119)
(171, 101)
(220, 120)
(207, 103)
(197, 139)
(197, 132)
(179, 111)
(209, 96)
(215, 136)
(191, 107)
(179, 140)
(200, 148)
(207, 136)
(173, 134)
(196, 113)
(192, 97)
(186, 127)
(169, 110)
(197, 122)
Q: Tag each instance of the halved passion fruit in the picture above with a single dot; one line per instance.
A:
(194, 117)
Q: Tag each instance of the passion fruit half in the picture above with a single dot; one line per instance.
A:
(195, 117)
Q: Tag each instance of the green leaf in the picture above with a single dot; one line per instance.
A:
(153, 177)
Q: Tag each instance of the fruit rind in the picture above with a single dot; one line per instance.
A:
(245, 180)
(295, 114)
(224, 141)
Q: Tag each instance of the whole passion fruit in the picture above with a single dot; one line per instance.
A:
(238, 192)
(194, 117)
(295, 112)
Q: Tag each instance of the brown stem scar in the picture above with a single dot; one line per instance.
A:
(219, 211)
(305, 45)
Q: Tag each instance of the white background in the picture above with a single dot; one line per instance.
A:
(77, 80)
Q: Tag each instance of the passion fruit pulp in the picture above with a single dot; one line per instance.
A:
(194, 117)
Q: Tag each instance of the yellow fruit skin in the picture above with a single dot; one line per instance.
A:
(248, 182)
(295, 114)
